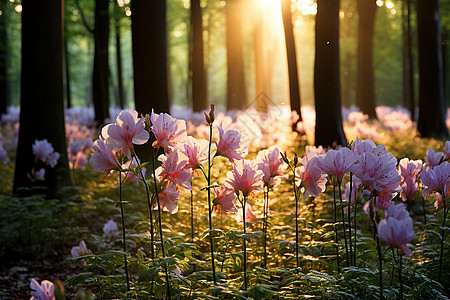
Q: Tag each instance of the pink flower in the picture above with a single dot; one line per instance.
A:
(409, 187)
(43, 291)
(376, 171)
(128, 130)
(312, 179)
(271, 164)
(44, 151)
(338, 162)
(168, 131)
(409, 168)
(249, 215)
(433, 158)
(40, 174)
(436, 180)
(316, 150)
(111, 231)
(245, 177)
(397, 229)
(447, 150)
(197, 152)
(225, 197)
(175, 170)
(79, 250)
(229, 145)
(168, 198)
(103, 159)
(364, 146)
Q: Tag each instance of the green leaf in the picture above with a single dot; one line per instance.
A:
(78, 279)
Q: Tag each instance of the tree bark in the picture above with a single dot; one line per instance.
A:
(236, 86)
(4, 86)
(432, 108)
(199, 87)
(365, 84)
(100, 77)
(329, 130)
(294, 88)
(262, 100)
(42, 99)
(149, 38)
(408, 66)
(121, 95)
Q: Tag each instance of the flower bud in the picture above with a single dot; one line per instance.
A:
(295, 159)
(210, 117)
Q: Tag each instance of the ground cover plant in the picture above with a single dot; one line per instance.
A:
(230, 208)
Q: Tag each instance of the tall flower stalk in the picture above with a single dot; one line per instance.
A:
(160, 220)
(123, 232)
(210, 120)
(442, 241)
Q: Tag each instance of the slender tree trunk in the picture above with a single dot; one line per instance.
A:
(4, 96)
(327, 87)
(236, 86)
(67, 74)
(42, 99)
(262, 100)
(199, 87)
(431, 85)
(294, 87)
(365, 84)
(149, 38)
(100, 77)
(121, 95)
(408, 68)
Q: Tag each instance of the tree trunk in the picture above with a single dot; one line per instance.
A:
(432, 108)
(236, 87)
(262, 100)
(327, 88)
(148, 25)
(199, 88)
(294, 88)
(365, 84)
(100, 77)
(4, 87)
(121, 95)
(408, 67)
(42, 99)
(67, 74)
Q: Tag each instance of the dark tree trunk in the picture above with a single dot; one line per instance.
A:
(262, 100)
(327, 88)
(42, 99)
(121, 95)
(149, 38)
(236, 87)
(408, 66)
(294, 88)
(365, 84)
(148, 23)
(199, 88)
(100, 77)
(67, 74)
(4, 86)
(432, 108)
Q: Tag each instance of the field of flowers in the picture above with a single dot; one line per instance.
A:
(229, 206)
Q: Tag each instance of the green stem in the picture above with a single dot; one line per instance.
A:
(160, 225)
(349, 218)
(265, 211)
(149, 204)
(442, 242)
(336, 240)
(400, 277)
(123, 232)
(245, 244)
(343, 223)
(296, 226)
(211, 240)
(192, 216)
